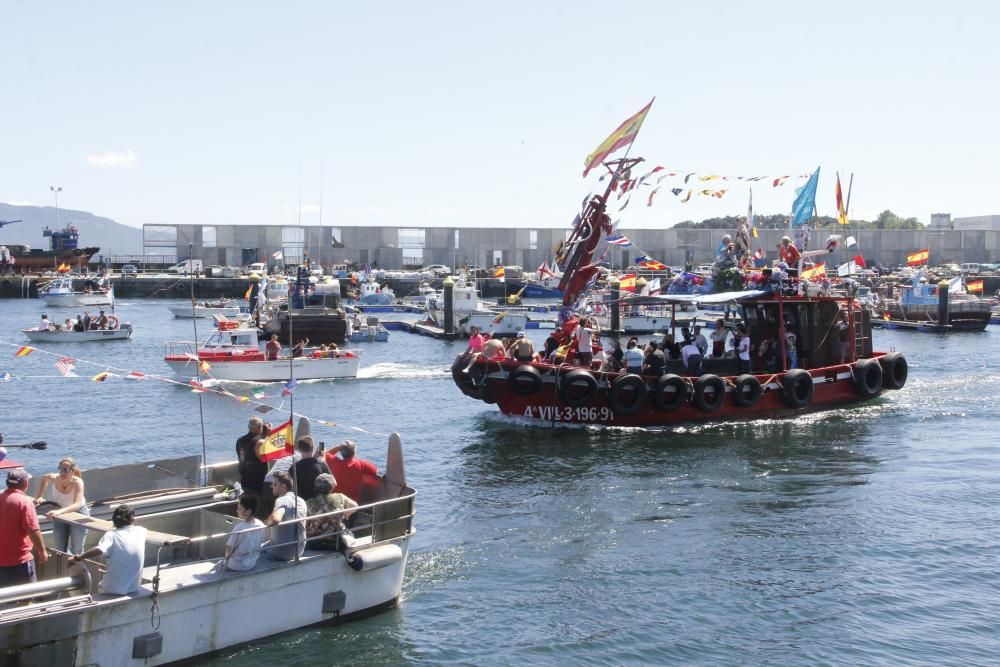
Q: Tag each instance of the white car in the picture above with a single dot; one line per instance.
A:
(438, 269)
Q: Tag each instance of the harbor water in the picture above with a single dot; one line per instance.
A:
(857, 536)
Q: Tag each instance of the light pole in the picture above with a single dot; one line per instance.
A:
(56, 190)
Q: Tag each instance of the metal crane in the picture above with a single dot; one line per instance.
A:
(4, 223)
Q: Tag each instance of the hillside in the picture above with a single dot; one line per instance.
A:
(112, 237)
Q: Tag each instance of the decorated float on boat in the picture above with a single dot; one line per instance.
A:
(827, 363)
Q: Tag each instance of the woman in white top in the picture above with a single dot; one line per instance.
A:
(68, 493)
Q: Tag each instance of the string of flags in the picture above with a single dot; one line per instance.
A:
(67, 365)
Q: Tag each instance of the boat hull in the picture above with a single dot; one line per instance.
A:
(833, 387)
(303, 368)
(75, 299)
(207, 617)
(535, 291)
(50, 336)
(184, 312)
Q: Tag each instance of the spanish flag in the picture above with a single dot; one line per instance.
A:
(627, 283)
(974, 286)
(277, 444)
(24, 351)
(817, 272)
(246, 297)
(841, 211)
(621, 137)
(918, 258)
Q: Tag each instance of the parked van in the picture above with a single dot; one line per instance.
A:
(186, 267)
(260, 268)
(971, 269)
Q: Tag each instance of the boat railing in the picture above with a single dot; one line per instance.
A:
(181, 348)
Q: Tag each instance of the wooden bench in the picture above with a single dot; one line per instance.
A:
(103, 525)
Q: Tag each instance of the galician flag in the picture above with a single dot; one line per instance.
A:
(623, 136)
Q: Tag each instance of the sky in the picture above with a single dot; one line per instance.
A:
(481, 114)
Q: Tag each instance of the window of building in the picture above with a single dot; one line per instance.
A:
(456, 240)
(159, 243)
(533, 239)
(497, 257)
(337, 238)
(292, 244)
(208, 237)
(411, 238)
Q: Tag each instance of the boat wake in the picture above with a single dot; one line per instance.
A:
(393, 371)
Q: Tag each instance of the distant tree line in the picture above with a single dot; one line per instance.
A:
(885, 220)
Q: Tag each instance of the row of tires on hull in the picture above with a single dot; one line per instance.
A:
(628, 394)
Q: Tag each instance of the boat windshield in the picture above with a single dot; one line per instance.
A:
(231, 339)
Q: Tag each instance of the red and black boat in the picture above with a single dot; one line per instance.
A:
(838, 366)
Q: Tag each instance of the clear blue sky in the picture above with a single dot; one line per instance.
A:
(481, 113)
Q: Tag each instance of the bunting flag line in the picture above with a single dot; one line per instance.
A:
(196, 387)
(101, 377)
(136, 375)
(841, 211)
(778, 182)
(649, 263)
(65, 366)
(619, 240)
(974, 286)
(649, 202)
(917, 258)
(624, 135)
(814, 272)
(24, 351)
(277, 444)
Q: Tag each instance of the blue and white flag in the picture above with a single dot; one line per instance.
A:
(289, 387)
(620, 241)
(805, 200)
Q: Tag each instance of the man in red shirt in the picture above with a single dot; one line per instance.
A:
(789, 254)
(348, 469)
(19, 531)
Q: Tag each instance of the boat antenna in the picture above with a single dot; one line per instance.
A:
(197, 366)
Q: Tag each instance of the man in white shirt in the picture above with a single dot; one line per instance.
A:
(124, 550)
(743, 349)
(44, 324)
(584, 350)
(692, 357)
(700, 340)
(287, 507)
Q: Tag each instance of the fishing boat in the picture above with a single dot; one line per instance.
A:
(60, 292)
(64, 250)
(534, 288)
(233, 353)
(116, 331)
(227, 308)
(922, 303)
(838, 365)
(372, 332)
(468, 311)
(371, 293)
(188, 603)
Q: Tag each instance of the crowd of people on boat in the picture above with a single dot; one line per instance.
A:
(85, 322)
(311, 482)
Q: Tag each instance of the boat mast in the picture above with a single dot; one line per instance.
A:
(197, 366)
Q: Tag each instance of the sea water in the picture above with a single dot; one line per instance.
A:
(858, 536)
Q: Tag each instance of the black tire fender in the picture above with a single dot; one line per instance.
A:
(868, 377)
(623, 383)
(525, 380)
(797, 388)
(703, 398)
(747, 391)
(576, 377)
(894, 370)
(670, 393)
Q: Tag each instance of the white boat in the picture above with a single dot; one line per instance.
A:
(232, 353)
(373, 294)
(188, 605)
(60, 292)
(468, 311)
(207, 309)
(120, 332)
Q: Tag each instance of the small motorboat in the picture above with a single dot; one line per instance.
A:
(60, 292)
(373, 332)
(115, 330)
(227, 308)
(233, 353)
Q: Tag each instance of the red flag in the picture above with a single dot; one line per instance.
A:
(860, 261)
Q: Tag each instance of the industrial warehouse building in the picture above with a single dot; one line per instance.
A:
(394, 248)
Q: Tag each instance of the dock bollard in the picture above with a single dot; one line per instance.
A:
(943, 302)
(449, 305)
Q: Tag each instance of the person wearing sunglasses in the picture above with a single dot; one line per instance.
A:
(67, 493)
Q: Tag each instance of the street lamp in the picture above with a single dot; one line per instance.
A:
(56, 190)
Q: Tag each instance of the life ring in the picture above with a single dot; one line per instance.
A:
(703, 398)
(894, 370)
(525, 380)
(625, 383)
(747, 391)
(797, 388)
(577, 377)
(670, 393)
(868, 377)
(113, 322)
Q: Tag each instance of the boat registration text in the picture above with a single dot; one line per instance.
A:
(567, 413)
